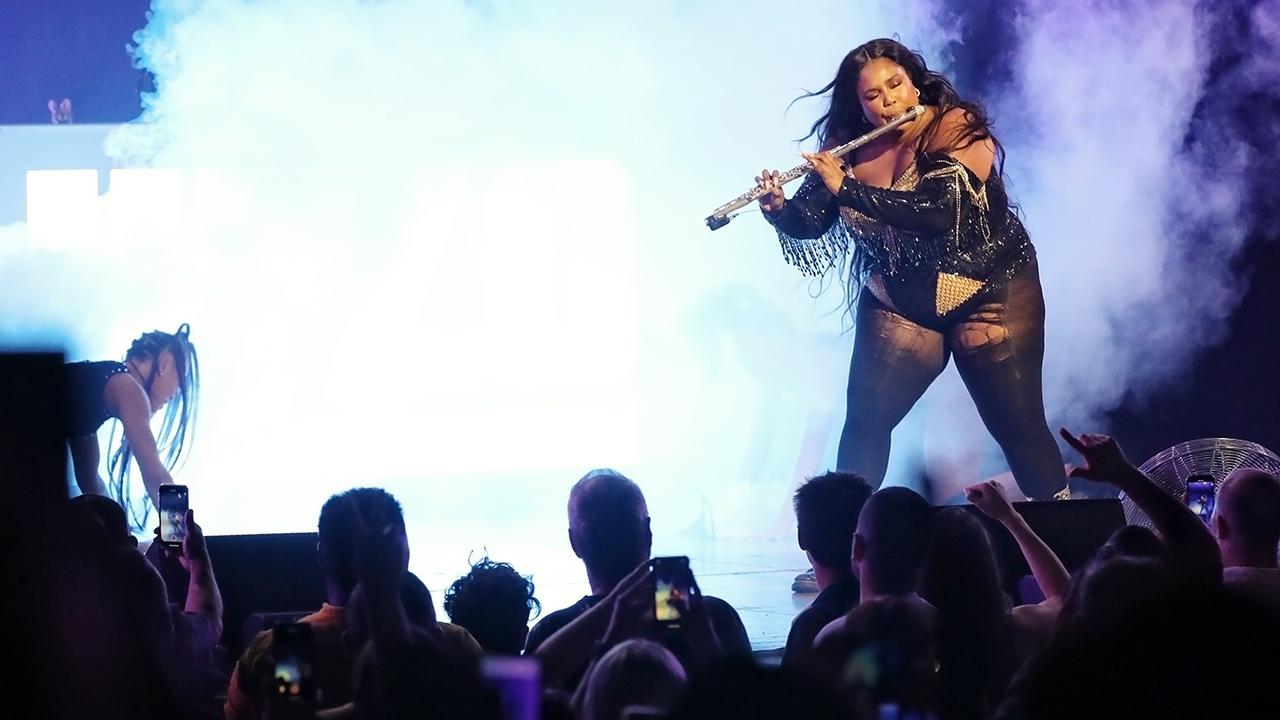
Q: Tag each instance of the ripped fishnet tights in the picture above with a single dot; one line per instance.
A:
(999, 351)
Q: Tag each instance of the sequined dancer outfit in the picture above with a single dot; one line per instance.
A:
(86, 395)
(937, 264)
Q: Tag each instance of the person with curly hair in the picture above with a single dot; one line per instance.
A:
(493, 602)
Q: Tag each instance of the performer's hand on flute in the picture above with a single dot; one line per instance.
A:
(828, 168)
(771, 202)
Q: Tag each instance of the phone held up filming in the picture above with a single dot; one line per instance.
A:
(173, 514)
(673, 586)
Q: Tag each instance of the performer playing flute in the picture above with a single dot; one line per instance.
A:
(936, 262)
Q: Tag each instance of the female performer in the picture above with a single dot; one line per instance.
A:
(158, 367)
(937, 263)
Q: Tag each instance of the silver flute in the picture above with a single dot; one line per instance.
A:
(721, 217)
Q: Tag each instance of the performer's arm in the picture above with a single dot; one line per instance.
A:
(85, 458)
(808, 214)
(932, 208)
(134, 410)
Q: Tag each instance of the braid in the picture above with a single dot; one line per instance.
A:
(179, 416)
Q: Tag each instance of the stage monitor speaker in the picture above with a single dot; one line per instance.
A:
(264, 574)
(1074, 529)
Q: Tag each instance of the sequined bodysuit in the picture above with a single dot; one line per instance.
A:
(933, 246)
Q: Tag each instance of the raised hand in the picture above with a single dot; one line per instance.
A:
(1104, 460)
(60, 113)
(1192, 548)
(989, 497)
(194, 552)
(828, 168)
(774, 199)
(631, 613)
(380, 554)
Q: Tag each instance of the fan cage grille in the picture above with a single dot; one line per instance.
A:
(1218, 457)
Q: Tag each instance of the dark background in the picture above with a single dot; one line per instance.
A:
(55, 49)
(1231, 389)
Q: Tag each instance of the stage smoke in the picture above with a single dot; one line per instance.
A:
(1139, 137)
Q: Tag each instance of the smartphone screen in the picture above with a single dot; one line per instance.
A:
(672, 587)
(1200, 495)
(173, 514)
(518, 681)
(644, 712)
(293, 649)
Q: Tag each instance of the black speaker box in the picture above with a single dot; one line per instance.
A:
(1074, 529)
(263, 574)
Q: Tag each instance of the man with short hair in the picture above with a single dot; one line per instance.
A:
(827, 509)
(895, 528)
(1246, 520)
(609, 530)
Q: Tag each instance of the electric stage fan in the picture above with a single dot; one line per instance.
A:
(1214, 457)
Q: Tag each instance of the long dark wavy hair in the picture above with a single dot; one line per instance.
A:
(179, 414)
(962, 580)
(844, 119)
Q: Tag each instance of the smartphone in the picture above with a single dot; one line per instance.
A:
(518, 681)
(173, 514)
(672, 588)
(644, 712)
(293, 688)
(1201, 490)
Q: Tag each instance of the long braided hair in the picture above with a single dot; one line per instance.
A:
(179, 413)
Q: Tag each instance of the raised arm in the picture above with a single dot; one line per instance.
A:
(133, 408)
(1190, 543)
(203, 596)
(611, 620)
(1047, 569)
(382, 559)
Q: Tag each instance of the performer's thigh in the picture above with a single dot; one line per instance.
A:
(999, 352)
(999, 347)
(894, 361)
